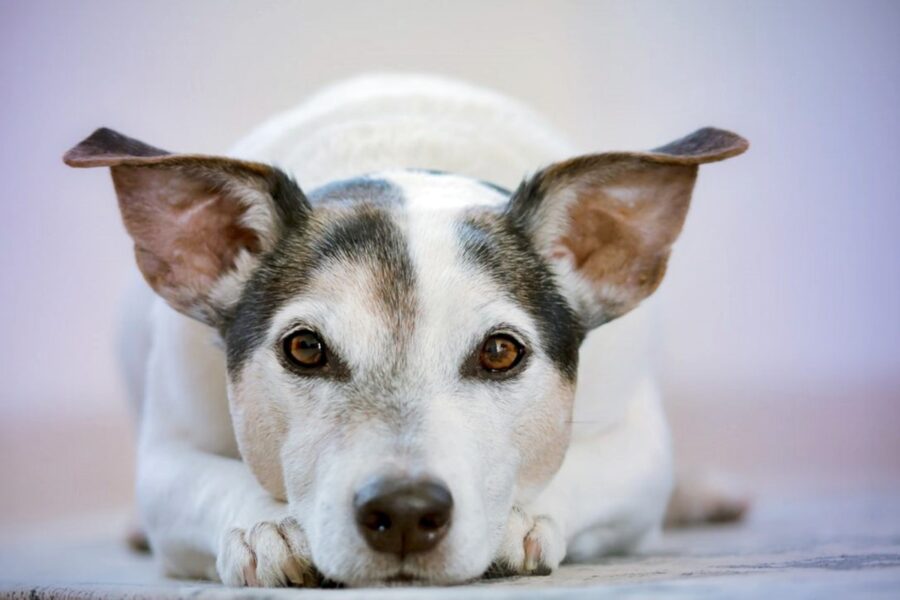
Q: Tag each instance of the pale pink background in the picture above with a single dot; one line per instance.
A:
(779, 338)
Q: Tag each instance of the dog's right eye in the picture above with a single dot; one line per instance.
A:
(305, 349)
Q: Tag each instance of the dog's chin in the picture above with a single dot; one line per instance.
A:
(404, 579)
(404, 576)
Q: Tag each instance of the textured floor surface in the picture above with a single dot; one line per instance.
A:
(844, 543)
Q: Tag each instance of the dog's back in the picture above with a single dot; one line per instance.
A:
(382, 122)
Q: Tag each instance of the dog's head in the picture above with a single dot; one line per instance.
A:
(402, 347)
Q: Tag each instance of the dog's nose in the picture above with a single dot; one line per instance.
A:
(403, 516)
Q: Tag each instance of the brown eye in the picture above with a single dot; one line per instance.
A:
(500, 352)
(305, 349)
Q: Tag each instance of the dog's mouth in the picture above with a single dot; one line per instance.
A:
(402, 579)
(405, 578)
(398, 579)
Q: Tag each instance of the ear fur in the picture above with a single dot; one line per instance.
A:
(607, 222)
(199, 223)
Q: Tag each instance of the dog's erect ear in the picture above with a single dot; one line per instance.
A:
(199, 223)
(607, 222)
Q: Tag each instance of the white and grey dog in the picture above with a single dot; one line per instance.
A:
(373, 379)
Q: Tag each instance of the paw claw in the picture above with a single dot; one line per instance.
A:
(532, 553)
(249, 573)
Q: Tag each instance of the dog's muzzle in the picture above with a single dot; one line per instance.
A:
(401, 516)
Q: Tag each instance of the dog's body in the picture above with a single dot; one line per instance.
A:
(533, 477)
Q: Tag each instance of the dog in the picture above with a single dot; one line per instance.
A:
(371, 379)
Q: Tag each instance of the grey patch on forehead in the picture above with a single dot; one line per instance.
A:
(359, 189)
(362, 232)
(490, 241)
(497, 188)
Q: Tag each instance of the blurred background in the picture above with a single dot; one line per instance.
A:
(778, 344)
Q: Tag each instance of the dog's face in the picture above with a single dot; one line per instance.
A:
(410, 332)
(402, 347)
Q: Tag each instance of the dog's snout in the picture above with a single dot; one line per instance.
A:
(403, 516)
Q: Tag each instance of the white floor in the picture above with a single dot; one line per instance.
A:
(843, 543)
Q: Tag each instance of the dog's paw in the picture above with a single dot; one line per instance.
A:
(531, 546)
(267, 555)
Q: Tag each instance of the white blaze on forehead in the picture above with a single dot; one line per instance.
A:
(456, 302)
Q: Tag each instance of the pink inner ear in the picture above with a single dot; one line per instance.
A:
(602, 243)
(622, 228)
(187, 234)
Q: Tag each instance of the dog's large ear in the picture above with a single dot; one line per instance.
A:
(199, 223)
(607, 222)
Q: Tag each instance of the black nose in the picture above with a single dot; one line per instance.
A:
(403, 516)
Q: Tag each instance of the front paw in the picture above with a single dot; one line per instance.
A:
(269, 554)
(531, 546)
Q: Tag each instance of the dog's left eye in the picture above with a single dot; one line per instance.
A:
(305, 349)
(500, 352)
